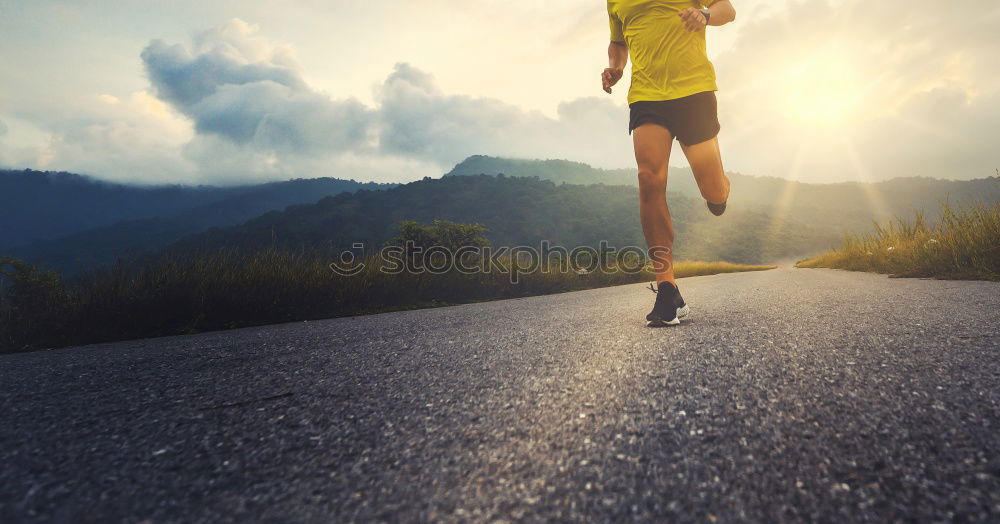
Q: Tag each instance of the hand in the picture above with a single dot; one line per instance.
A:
(693, 19)
(610, 77)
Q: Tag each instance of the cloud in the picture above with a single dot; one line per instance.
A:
(826, 91)
(241, 87)
(816, 90)
(132, 139)
(3, 128)
(256, 117)
(417, 119)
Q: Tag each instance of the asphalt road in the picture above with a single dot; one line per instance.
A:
(787, 395)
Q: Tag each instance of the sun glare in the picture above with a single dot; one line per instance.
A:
(823, 89)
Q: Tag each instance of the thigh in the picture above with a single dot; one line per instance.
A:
(652, 149)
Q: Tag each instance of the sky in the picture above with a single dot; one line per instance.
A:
(240, 91)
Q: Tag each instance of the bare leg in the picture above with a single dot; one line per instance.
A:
(706, 163)
(652, 150)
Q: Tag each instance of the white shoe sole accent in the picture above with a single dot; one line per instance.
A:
(683, 311)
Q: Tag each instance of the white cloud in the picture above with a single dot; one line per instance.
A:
(136, 139)
(256, 117)
(418, 120)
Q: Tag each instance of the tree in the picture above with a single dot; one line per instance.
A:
(443, 233)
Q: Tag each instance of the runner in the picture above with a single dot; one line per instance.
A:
(672, 94)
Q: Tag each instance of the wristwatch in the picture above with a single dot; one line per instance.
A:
(707, 13)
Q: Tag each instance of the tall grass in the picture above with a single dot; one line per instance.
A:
(964, 244)
(228, 289)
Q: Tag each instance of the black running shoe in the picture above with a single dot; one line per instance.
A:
(669, 307)
(716, 209)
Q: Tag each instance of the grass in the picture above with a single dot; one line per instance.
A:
(229, 289)
(964, 244)
(698, 268)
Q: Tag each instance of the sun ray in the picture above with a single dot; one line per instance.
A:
(876, 201)
(781, 211)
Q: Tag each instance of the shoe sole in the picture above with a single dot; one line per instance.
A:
(681, 313)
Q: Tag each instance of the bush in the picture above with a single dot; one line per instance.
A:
(35, 306)
(228, 288)
(964, 244)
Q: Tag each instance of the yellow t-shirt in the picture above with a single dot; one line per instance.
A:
(668, 61)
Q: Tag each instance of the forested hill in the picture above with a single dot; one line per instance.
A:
(47, 205)
(518, 211)
(852, 206)
(69, 222)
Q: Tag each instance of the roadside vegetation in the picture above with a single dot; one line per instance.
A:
(964, 244)
(227, 288)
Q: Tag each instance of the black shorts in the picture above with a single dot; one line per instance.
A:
(692, 119)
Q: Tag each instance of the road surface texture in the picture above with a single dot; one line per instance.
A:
(787, 395)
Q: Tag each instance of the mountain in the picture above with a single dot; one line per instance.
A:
(559, 171)
(850, 206)
(46, 205)
(517, 212)
(68, 221)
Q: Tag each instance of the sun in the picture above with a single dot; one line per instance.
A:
(820, 88)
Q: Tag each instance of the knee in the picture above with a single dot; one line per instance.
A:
(650, 177)
(716, 193)
(651, 182)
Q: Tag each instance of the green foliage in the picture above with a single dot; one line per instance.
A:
(963, 244)
(517, 212)
(228, 288)
(444, 233)
(34, 306)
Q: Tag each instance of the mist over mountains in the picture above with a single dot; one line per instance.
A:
(849, 206)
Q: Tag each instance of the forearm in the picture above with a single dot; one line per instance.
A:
(617, 55)
(722, 12)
